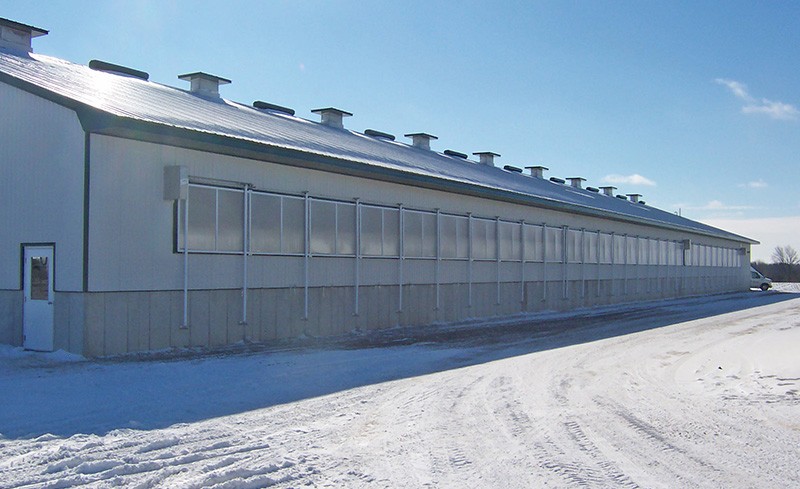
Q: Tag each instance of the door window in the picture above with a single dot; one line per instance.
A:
(40, 278)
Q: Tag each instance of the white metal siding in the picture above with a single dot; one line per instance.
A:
(132, 227)
(41, 185)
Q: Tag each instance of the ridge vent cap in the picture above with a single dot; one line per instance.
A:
(421, 140)
(332, 117)
(204, 83)
(18, 36)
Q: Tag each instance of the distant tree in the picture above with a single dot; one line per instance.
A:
(787, 264)
(785, 255)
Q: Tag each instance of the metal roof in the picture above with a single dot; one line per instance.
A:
(148, 106)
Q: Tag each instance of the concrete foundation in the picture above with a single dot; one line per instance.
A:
(111, 323)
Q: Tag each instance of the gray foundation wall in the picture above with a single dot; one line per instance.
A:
(11, 317)
(110, 323)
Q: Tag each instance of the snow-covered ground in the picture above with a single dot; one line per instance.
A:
(686, 393)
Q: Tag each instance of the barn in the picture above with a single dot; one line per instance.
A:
(136, 216)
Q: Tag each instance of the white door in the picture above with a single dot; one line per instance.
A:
(37, 313)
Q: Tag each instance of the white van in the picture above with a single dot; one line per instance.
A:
(758, 281)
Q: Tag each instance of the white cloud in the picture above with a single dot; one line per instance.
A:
(760, 183)
(770, 108)
(738, 89)
(776, 110)
(717, 205)
(634, 179)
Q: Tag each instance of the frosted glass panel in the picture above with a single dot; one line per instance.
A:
(202, 218)
(323, 227)
(510, 248)
(483, 239)
(428, 235)
(590, 247)
(412, 234)
(230, 220)
(371, 231)
(293, 225)
(554, 245)
(391, 232)
(265, 223)
(346, 229)
(606, 248)
(448, 236)
(632, 250)
(533, 243)
(574, 246)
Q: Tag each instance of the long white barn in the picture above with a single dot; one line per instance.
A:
(137, 216)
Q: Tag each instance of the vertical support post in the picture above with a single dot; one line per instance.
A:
(402, 258)
(469, 259)
(438, 254)
(564, 265)
(306, 250)
(648, 262)
(185, 322)
(497, 256)
(613, 261)
(625, 265)
(522, 262)
(599, 260)
(583, 263)
(245, 250)
(358, 255)
(544, 262)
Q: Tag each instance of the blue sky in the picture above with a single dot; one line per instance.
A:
(695, 105)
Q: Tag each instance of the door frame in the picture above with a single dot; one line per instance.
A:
(24, 247)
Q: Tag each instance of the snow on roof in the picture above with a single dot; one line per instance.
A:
(146, 102)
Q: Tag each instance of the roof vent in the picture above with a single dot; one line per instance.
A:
(98, 65)
(512, 168)
(332, 117)
(576, 181)
(557, 180)
(609, 190)
(620, 196)
(634, 197)
(593, 189)
(421, 140)
(486, 157)
(378, 134)
(258, 104)
(450, 152)
(204, 83)
(537, 171)
(17, 36)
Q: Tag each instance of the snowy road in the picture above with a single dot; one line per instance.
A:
(692, 393)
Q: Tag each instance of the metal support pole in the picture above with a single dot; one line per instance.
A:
(402, 258)
(469, 258)
(625, 265)
(583, 263)
(185, 323)
(544, 262)
(564, 265)
(245, 251)
(438, 254)
(599, 261)
(522, 261)
(497, 255)
(306, 251)
(358, 254)
(613, 261)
